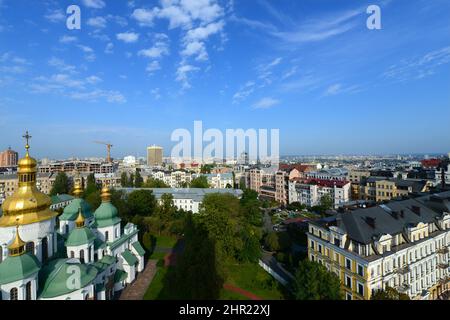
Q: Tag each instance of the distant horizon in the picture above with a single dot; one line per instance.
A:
(312, 69)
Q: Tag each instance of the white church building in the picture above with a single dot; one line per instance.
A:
(80, 255)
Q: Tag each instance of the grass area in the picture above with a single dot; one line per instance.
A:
(228, 295)
(165, 241)
(253, 278)
(156, 286)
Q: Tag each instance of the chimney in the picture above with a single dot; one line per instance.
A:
(371, 222)
(395, 215)
(416, 210)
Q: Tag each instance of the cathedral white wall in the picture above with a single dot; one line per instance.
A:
(21, 288)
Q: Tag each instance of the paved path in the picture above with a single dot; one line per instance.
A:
(243, 292)
(137, 289)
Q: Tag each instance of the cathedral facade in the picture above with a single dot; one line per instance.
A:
(79, 255)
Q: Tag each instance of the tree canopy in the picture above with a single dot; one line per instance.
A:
(314, 282)
(200, 182)
(389, 294)
(61, 184)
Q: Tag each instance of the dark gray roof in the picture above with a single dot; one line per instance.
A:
(367, 225)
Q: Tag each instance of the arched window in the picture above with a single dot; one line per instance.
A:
(89, 254)
(14, 294)
(28, 294)
(72, 254)
(106, 236)
(30, 247)
(1, 253)
(67, 229)
(82, 256)
(44, 249)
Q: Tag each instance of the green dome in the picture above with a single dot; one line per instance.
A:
(106, 215)
(80, 236)
(55, 276)
(70, 212)
(15, 268)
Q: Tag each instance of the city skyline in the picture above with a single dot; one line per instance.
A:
(138, 70)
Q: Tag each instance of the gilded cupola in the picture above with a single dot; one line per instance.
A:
(27, 205)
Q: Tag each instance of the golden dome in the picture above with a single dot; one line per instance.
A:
(106, 195)
(17, 247)
(77, 190)
(79, 222)
(27, 205)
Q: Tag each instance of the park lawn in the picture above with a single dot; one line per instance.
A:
(253, 278)
(155, 288)
(166, 241)
(158, 255)
(229, 295)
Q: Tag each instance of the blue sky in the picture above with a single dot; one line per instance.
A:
(137, 70)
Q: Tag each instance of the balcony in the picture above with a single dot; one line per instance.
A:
(403, 270)
(443, 250)
(404, 288)
(443, 265)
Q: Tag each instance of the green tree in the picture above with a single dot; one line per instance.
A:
(200, 182)
(91, 185)
(326, 202)
(138, 180)
(61, 184)
(271, 241)
(124, 182)
(165, 212)
(314, 282)
(389, 294)
(141, 203)
(94, 199)
(155, 183)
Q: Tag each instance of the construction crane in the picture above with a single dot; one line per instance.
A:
(108, 149)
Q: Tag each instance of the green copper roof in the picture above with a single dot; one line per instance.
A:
(70, 212)
(57, 274)
(137, 246)
(108, 260)
(80, 236)
(106, 215)
(129, 257)
(15, 268)
(100, 266)
(99, 287)
(61, 198)
(120, 275)
(98, 244)
(122, 239)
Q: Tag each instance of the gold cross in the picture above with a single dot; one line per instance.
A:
(27, 137)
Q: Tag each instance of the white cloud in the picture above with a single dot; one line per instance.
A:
(145, 17)
(86, 49)
(109, 48)
(97, 22)
(96, 4)
(266, 103)
(182, 74)
(61, 66)
(156, 93)
(159, 49)
(93, 79)
(339, 88)
(128, 37)
(90, 56)
(67, 39)
(56, 16)
(153, 66)
(96, 95)
(195, 49)
(244, 92)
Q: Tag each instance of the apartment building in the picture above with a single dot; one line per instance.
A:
(356, 177)
(220, 180)
(402, 244)
(439, 175)
(174, 179)
(384, 189)
(188, 199)
(9, 184)
(339, 174)
(310, 191)
(8, 158)
(82, 166)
